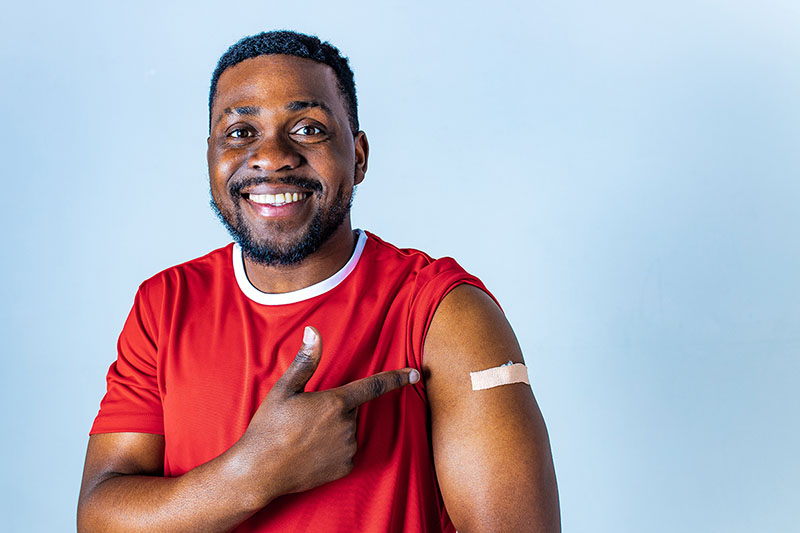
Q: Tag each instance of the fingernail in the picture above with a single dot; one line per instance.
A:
(309, 337)
(413, 376)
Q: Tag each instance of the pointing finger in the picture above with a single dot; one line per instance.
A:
(305, 363)
(369, 388)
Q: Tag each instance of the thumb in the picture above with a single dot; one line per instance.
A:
(305, 363)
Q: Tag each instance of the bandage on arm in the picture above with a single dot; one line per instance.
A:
(501, 375)
(496, 438)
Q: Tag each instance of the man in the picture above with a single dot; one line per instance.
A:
(213, 420)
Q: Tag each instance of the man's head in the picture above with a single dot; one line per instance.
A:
(283, 156)
(292, 44)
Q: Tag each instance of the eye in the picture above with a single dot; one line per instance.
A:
(240, 133)
(308, 130)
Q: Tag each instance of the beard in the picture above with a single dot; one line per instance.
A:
(324, 223)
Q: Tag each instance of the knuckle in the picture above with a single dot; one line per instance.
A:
(347, 466)
(339, 403)
(376, 387)
(305, 356)
(398, 379)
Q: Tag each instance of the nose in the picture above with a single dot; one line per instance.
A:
(273, 154)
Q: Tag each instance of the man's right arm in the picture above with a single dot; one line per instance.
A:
(123, 489)
(295, 441)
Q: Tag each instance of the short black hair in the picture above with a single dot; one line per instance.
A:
(293, 44)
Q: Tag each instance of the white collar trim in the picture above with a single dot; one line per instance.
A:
(299, 295)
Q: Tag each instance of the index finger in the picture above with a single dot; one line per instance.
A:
(366, 389)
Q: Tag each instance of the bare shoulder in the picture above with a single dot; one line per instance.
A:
(491, 448)
(470, 333)
(470, 330)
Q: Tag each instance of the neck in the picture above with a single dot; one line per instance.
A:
(320, 265)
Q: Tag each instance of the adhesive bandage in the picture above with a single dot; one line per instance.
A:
(500, 375)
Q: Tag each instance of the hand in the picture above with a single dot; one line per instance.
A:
(299, 440)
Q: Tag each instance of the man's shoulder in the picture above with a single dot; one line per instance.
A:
(411, 259)
(200, 269)
(389, 249)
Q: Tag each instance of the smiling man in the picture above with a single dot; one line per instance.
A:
(408, 419)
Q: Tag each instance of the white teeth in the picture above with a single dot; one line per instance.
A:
(277, 199)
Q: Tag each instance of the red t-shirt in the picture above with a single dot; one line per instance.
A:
(202, 347)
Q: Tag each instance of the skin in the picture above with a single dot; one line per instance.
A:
(490, 447)
(491, 450)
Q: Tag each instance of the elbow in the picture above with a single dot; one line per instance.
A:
(549, 522)
(513, 508)
(84, 516)
(88, 518)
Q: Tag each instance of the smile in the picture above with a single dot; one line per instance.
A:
(277, 199)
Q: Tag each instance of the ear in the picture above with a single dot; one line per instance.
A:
(362, 155)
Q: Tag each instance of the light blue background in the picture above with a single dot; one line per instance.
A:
(623, 176)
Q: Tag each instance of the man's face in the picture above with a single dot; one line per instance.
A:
(282, 160)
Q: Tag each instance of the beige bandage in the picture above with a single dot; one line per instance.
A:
(500, 375)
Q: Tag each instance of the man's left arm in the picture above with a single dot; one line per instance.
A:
(490, 447)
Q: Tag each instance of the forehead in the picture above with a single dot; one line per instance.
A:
(274, 80)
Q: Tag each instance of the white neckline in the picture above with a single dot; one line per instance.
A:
(301, 294)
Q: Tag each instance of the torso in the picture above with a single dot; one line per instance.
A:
(221, 345)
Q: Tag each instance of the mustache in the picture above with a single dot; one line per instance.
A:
(235, 188)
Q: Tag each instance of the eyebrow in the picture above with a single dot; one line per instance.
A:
(296, 105)
(241, 110)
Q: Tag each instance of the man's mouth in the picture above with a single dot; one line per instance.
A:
(276, 200)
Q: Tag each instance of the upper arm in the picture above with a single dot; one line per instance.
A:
(491, 450)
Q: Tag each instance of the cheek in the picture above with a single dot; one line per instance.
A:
(221, 167)
(224, 161)
(338, 168)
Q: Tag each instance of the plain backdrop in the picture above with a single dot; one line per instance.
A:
(623, 175)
